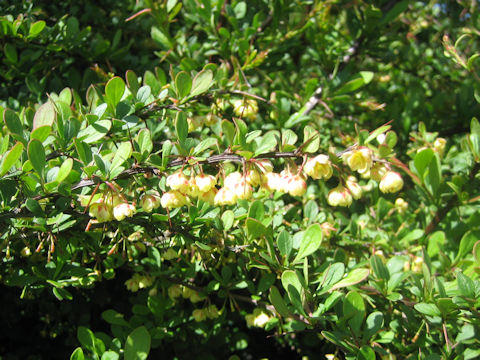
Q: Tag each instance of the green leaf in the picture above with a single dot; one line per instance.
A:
(11, 53)
(12, 121)
(427, 309)
(36, 155)
(354, 277)
(122, 154)
(77, 354)
(396, 10)
(115, 318)
(267, 143)
(373, 324)
(144, 140)
(277, 301)
(45, 115)
(11, 157)
(95, 132)
(41, 133)
(201, 82)
(114, 91)
(132, 82)
(166, 150)
(285, 243)
(228, 130)
(183, 84)
(366, 353)
(354, 310)
(466, 285)
(310, 136)
(359, 80)
(65, 170)
(332, 275)
(227, 219)
(379, 268)
(204, 145)
(466, 245)
(255, 229)
(137, 345)
(181, 127)
(256, 210)
(377, 132)
(312, 238)
(294, 288)
(422, 160)
(86, 338)
(110, 355)
(36, 28)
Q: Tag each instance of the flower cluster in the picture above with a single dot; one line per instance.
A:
(138, 281)
(259, 318)
(110, 207)
(247, 109)
(209, 312)
(176, 291)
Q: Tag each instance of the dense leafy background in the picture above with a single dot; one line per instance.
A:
(406, 61)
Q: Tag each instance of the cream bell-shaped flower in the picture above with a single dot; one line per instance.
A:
(377, 171)
(274, 181)
(209, 196)
(360, 159)
(439, 145)
(319, 167)
(401, 205)
(174, 291)
(225, 196)
(339, 196)
(242, 190)
(264, 165)
(205, 182)
(193, 191)
(354, 188)
(100, 211)
(246, 108)
(123, 210)
(391, 182)
(232, 179)
(148, 202)
(199, 315)
(296, 185)
(255, 178)
(212, 312)
(178, 181)
(173, 199)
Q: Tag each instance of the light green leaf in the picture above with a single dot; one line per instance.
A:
(183, 83)
(45, 115)
(293, 286)
(312, 238)
(427, 309)
(114, 91)
(132, 82)
(77, 354)
(255, 228)
(227, 219)
(137, 345)
(354, 277)
(359, 80)
(354, 310)
(123, 153)
(95, 132)
(312, 138)
(36, 28)
(422, 160)
(202, 82)
(285, 243)
(256, 210)
(204, 145)
(115, 318)
(181, 127)
(11, 157)
(145, 144)
(12, 121)
(267, 143)
(41, 133)
(65, 170)
(366, 353)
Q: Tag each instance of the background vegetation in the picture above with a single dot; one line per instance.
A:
(106, 97)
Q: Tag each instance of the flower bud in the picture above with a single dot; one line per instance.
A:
(360, 160)
(258, 318)
(187, 292)
(102, 212)
(173, 199)
(296, 185)
(199, 315)
(254, 177)
(439, 145)
(401, 205)
(225, 196)
(196, 297)
(132, 284)
(339, 196)
(205, 182)
(178, 181)
(148, 202)
(319, 167)
(391, 182)
(353, 187)
(246, 108)
(123, 210)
